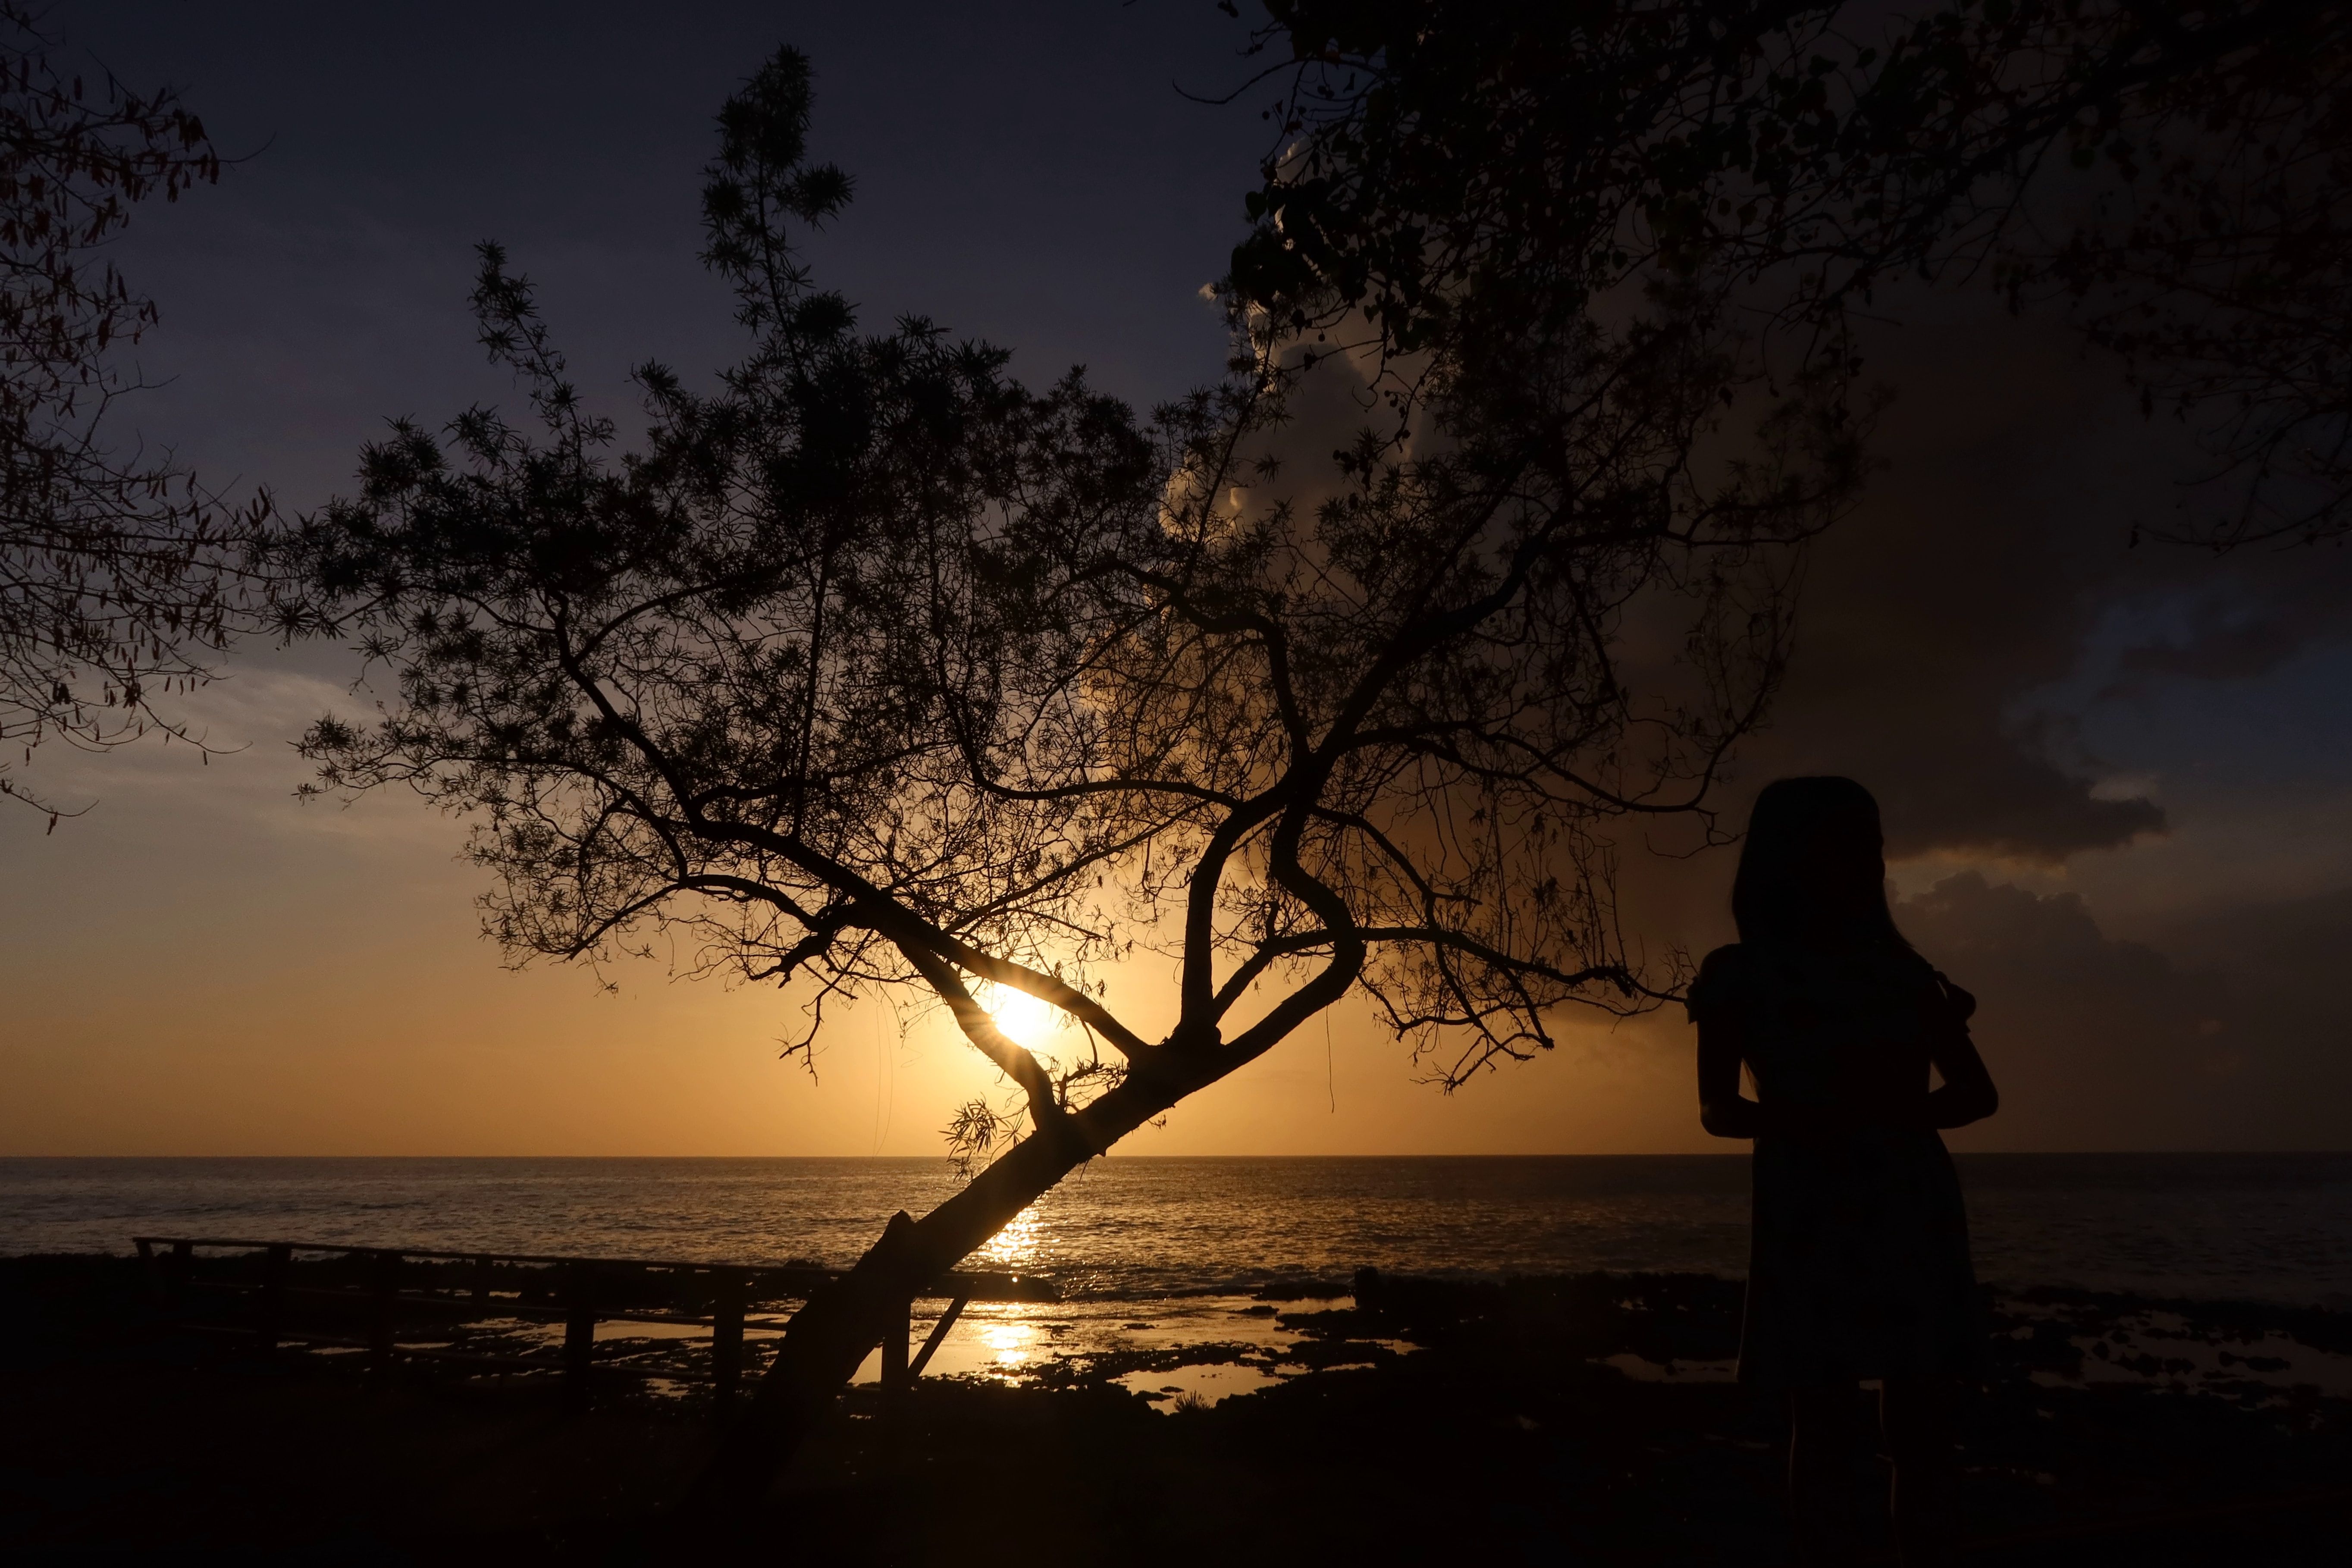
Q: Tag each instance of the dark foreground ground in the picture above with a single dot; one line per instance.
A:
(1506, 1439)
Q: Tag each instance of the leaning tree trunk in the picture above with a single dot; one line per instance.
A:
(830, 1334)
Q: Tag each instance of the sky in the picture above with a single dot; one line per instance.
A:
(2116, 780)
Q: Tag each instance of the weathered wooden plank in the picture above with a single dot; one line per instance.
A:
(894, 1349)
(938, 1336)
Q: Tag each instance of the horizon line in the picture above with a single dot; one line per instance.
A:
(1553, 1154)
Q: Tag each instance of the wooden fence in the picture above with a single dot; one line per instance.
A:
(370, 1298)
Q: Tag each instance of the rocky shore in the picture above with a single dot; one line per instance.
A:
(1581, 1419)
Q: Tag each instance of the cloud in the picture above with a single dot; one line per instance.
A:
(240, 801)
(2087, 1036)
(2242, 619)
(2285, 959)
(2279, 947)
(1985, 597)
(1960, 586)
(2102, 1043)
(2220, 646)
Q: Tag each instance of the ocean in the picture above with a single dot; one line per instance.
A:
(2271, 1227)
(1166, 1257)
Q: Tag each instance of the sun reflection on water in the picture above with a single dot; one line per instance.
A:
(1019, 1247)
(1009, 1342)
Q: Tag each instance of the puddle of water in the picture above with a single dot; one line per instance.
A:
(650, 1331)
(1000, 1341)
(1000, 1348)
(1010, 1342)
(1199, 1385)
(1006, 1341)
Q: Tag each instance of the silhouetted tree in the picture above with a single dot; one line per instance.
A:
(873, 671)
(2177, 178)
(116, 572)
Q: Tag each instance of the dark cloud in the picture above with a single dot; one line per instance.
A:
(1968, 577)
(2220, 646)
(2279, 948)
(2229, 1030)
(2095, 1042)
(1961, 635)
(1992, 563)
(2285, 961)
(2239, 619)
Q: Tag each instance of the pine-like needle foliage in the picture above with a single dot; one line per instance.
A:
(871, 669)
(119, 575)
(2175, 179)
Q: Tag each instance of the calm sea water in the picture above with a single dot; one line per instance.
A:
(2263, 1226)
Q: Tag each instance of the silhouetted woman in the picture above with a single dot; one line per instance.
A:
(1860, 1260)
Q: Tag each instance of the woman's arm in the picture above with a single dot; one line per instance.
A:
(1722, 1108)
(1967, 1094)
(1727, 1113)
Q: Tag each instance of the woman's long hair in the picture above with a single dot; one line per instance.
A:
(1814, 866)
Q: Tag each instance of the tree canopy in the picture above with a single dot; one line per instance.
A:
(2173, 179)
(874, 667)
(870, 669)
(117, 573)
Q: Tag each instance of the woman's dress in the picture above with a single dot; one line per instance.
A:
(1859, 1266)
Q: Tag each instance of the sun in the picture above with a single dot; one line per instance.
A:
(1023, 1017)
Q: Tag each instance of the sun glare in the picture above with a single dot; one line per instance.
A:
(1021, 1015)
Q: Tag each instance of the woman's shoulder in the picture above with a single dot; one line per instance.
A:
(1730, 958)
(1726, 981)
(1957, 1003)
(1915, 975)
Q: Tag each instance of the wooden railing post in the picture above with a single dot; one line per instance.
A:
(482, 1276)
(727, 1296)
(938, 1336)
(578, 1333)
(384, 1303)
(893, 1348)
(270, 1313)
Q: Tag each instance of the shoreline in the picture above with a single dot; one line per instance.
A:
(1256, 1326)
